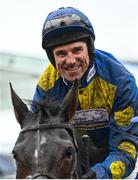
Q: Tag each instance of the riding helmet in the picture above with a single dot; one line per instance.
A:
(66, 25)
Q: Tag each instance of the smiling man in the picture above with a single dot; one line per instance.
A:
(108, 96)
(72, 60)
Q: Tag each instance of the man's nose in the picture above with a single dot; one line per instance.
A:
(70, 58)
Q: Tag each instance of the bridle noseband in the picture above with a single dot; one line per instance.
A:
(47, 126)
(68, 127)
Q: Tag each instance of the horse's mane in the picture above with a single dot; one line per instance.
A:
(48, 103)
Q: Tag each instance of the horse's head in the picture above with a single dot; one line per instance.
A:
(46, 146)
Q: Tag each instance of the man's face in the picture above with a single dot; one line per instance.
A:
(72, 60)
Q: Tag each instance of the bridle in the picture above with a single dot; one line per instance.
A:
(40, 127)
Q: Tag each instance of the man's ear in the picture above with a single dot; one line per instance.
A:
(19, 106)
(70, 102)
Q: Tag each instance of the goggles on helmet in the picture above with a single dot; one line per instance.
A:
(72, 19)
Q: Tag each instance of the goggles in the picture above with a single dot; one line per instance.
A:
(72, 19)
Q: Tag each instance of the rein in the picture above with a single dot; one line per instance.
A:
(39, 127)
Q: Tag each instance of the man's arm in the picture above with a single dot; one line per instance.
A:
(123, 142)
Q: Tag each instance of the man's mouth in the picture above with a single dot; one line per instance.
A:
(74, 68)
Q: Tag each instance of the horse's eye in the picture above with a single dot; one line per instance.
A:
(69, 152)
(14, 154)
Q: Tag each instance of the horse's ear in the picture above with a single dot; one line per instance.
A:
(20, 107)
(70, 102)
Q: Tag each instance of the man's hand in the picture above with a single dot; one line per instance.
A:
(89, 175)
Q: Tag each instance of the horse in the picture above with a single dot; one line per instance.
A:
(47, 146)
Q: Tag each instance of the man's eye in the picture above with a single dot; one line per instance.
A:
(77, 50)
(62, 54)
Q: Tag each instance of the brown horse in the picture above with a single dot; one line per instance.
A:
(46, 146)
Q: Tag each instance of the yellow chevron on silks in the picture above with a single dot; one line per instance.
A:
(118, 169)
(48, 78)
(98, 94)
(128, 148)
(123, 118)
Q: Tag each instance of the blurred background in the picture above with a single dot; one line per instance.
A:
(22, 59)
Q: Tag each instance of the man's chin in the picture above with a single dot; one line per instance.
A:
(73, 78)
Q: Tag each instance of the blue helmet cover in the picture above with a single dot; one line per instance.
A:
(85, 26)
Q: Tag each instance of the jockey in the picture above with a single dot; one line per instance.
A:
(108, 96)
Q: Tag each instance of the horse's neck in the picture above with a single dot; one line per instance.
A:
(88, 154)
